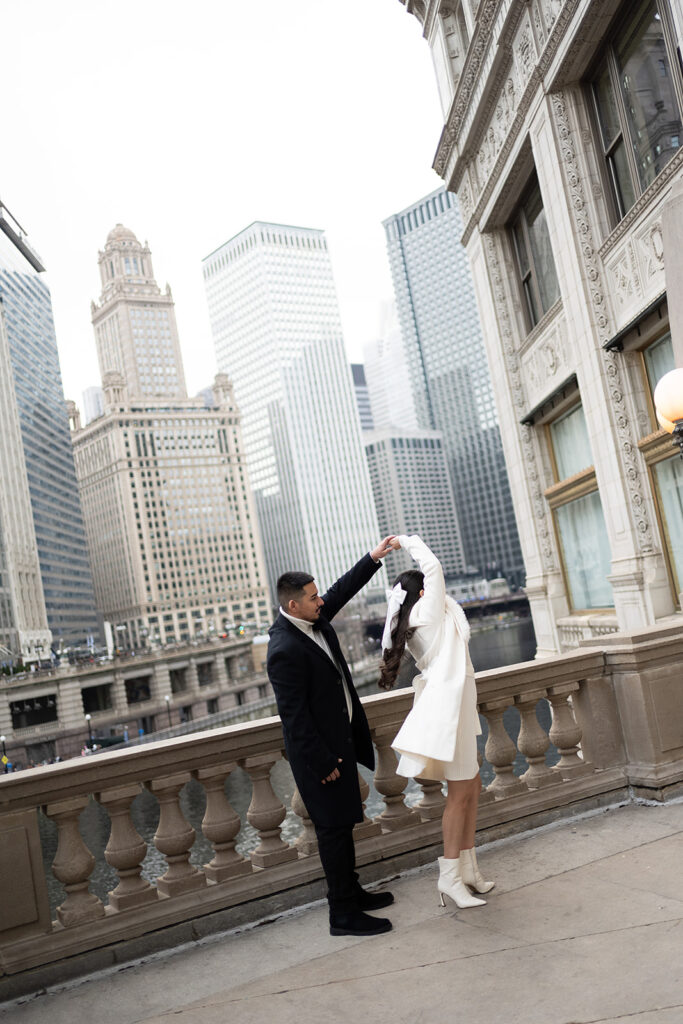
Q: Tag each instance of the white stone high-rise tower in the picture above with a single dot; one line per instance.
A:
(277, 332)
(169, 514)
(135, 325)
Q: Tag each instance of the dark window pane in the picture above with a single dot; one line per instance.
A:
(522, 255)
(606, 104)
(621, 179)
(651, 108)
(533, 312)
(541, 251)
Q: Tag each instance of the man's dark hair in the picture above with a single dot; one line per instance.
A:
(290, 587)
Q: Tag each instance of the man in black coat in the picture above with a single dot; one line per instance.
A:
(326, 731)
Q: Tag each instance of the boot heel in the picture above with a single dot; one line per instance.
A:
(442, 899)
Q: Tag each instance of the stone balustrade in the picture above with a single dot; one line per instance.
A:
(615, 723)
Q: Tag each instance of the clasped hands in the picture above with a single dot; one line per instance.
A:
(389, 543)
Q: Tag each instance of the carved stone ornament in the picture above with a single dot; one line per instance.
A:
(591, 265)
(556, 16)
(533, 476)
(652, 245)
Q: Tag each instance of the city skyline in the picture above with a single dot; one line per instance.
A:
(71, 183)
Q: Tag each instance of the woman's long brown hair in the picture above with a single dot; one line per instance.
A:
(412, 582)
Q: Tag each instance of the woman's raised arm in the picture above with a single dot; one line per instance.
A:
(433, 602)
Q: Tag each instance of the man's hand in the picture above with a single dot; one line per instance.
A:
(333, 775)
(395, 544)
(383, 548)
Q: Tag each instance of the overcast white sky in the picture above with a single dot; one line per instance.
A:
(187, 121)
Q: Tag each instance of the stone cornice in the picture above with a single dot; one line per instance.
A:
(456, 118)
(468, 80)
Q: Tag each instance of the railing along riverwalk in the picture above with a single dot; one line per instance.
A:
(616, 721)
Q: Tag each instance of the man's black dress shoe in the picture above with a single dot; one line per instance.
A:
(374, 900)
(355, 922)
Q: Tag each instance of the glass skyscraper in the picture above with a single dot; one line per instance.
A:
(44, 425)
(449, 374)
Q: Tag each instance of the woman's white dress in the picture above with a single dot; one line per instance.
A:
(438, 739)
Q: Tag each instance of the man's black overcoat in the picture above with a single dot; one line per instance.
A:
(315, 721)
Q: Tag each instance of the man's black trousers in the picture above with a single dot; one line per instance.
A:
(338, 857)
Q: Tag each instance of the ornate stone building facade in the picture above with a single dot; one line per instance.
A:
(562, 140)
(169, 513)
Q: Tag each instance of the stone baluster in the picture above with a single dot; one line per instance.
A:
(307, 842)
(266, 813)
(125, 850)
(533, 742)
(433, 801)
(221, 825)
(565, 733)
(366, 827)
(501, 752)
(390, 785)
(73, 864)
(486, 796)
(175, 838)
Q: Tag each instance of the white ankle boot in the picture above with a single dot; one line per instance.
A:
(451, 884)
(470, 872)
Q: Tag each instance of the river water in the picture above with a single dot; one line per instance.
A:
(489, 648)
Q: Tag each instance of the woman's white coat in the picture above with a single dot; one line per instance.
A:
(439, 647)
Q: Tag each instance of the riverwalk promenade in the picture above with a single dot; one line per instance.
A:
(585, 925)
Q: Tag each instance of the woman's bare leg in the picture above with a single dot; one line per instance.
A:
(470, 824)
(460, 816)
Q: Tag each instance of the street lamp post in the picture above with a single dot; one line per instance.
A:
(4, 753)
(668, 398)
(168, 709)
(87, 718)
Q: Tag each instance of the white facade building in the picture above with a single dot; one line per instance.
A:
(169, 514)
(277, 332)
(562, 140)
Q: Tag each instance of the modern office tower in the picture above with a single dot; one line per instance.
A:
(277, 332)
(562, 140)
(360, 389)
(449, 375)
(388, 379)
(23, 619)
(169, 514)
(48, 457)
(413, 493)
(93, 403)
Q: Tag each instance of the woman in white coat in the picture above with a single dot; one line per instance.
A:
(438, 739)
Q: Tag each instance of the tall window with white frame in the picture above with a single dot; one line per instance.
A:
(637, 94)
(664, 466)
(577, 513)
(534, 255)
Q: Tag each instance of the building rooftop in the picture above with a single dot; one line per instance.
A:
(585, 924)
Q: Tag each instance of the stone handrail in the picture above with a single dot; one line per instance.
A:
(613, 724)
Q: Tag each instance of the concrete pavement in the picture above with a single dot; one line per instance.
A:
(585, 925)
